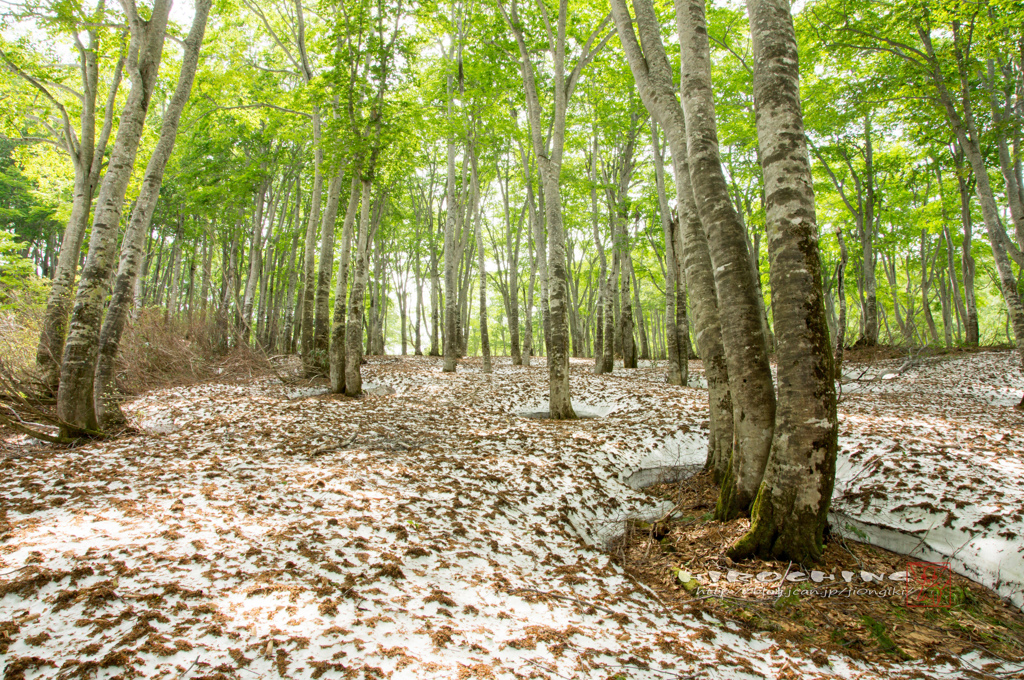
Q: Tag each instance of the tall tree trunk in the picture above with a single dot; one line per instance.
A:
(338, 330)
(204, 292)
(354, 325)
(451, 300)
(868, 258)
(791, 510)
(966, 132)
(926, 279)
(600, 365)
(435, 294)
(140, 281)
(229, 262)
(309, 362)
(255, 262)
(746, 351)
(840, 341)
(87, 165)
(645, 347)
(967, 265)
(75, 393)
(678, 364)
(107, 410)
(608, 351)
(653, 75)
(528, 326)
(1001, 120)
(293, 275)
(626, 316)
(512, 241)
(321, 317)
(485, 341)
(175, 271)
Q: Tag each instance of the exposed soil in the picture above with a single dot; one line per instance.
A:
(874, 622)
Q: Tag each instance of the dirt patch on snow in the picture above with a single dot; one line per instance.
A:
(881, 620)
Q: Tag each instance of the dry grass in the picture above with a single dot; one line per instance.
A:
(155, 352)
(159, 353)
(19, 334)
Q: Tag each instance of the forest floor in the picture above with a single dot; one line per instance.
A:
(255, 529)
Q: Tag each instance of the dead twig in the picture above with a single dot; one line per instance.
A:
(185, 672)
(649, 670)
(5, 573)
(565, 597)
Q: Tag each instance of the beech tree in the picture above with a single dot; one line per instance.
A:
(83, 146)
(548, 154)
(107, 410)
(791, 510)
(75, 404)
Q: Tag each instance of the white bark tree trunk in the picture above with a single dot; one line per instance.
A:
(75, 404)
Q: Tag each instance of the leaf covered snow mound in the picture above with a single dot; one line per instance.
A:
(931, 465)
(432, 533)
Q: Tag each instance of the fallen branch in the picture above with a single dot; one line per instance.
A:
(565, 597)
(185, 672)
(42, 436)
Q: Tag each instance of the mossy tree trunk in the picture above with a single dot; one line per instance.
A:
(75, 404)
(791, 510)
(746, 351)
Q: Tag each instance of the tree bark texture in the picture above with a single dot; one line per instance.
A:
(791, 511)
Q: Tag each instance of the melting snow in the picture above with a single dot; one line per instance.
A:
(428, 534)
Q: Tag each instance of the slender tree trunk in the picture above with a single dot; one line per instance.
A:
(309, 362)
(354, 325)
(528, 326)
(1001, 120)
(204, 292)
(972, 332)
(485, 341)
(645, 347)
(868, 258)
(626, 316)
(608, 351)
(600, 365)
(840, 341)
(140, 281)
(338, 329)
(512, 241)
(746, 351)
(966, 132)
(255, 263)
(229, 263)
(435, 302)
(175, 272)
(926, 279)
(293, 276)
(678, 364)
(322, 329)
(451, 300)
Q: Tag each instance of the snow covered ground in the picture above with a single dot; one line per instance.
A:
(931, 465)
(267, 531)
